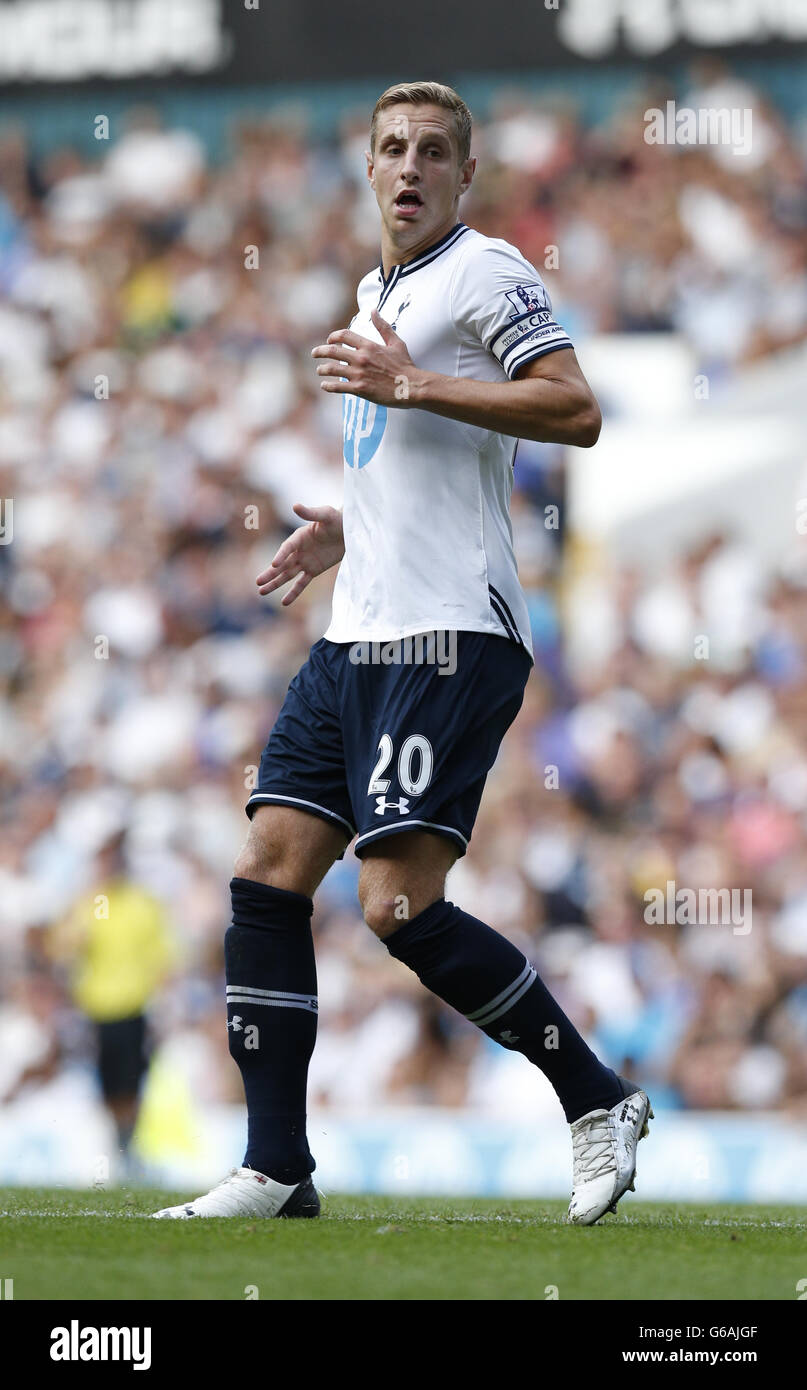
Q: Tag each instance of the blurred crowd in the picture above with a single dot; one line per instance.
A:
(159, 414)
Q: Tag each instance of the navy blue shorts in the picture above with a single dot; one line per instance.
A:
(123, 1055)
(379, 748)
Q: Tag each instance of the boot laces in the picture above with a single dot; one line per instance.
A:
(593, 1148)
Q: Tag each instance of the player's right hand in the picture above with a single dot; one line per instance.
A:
(309, 551)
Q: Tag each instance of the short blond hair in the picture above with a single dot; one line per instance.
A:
(427, 94)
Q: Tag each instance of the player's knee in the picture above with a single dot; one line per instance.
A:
(380, 914)
(385, 911)
(260, 860)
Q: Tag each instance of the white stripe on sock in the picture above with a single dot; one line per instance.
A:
(505, 1000)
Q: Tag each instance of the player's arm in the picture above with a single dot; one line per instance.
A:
(548, 399)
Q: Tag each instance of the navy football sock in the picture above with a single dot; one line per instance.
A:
(486, 978)
(272, 1021)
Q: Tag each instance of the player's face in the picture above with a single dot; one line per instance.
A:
(416, 173)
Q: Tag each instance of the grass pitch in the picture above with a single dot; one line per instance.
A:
(91, 1245)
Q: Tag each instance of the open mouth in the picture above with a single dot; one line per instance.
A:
(409, 199)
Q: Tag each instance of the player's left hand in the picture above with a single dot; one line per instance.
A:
(380, 372)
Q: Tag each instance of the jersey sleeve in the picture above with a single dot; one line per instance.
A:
(499, 298)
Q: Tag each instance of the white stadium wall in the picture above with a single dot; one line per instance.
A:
(691, 1156)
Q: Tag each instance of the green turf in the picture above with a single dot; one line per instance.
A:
(97, 1245)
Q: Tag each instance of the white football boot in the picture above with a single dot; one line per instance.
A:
(248, 1193)
(604, 1148)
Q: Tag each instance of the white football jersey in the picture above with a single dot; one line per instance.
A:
(428, 538)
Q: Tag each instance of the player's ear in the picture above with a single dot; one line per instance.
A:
(466, 177)
(370, 167)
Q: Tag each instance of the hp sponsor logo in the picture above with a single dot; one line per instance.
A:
(363, 425)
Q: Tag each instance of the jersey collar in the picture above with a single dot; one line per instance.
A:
(424, 258)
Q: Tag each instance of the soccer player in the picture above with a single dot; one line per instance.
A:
(120, 955)
(452, 357)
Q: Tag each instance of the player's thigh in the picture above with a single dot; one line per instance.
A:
(401, 876)
(419, 744)
(289, 849)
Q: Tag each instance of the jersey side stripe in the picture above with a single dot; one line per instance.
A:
(511, 630)
(503, 602)
(495, 594)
